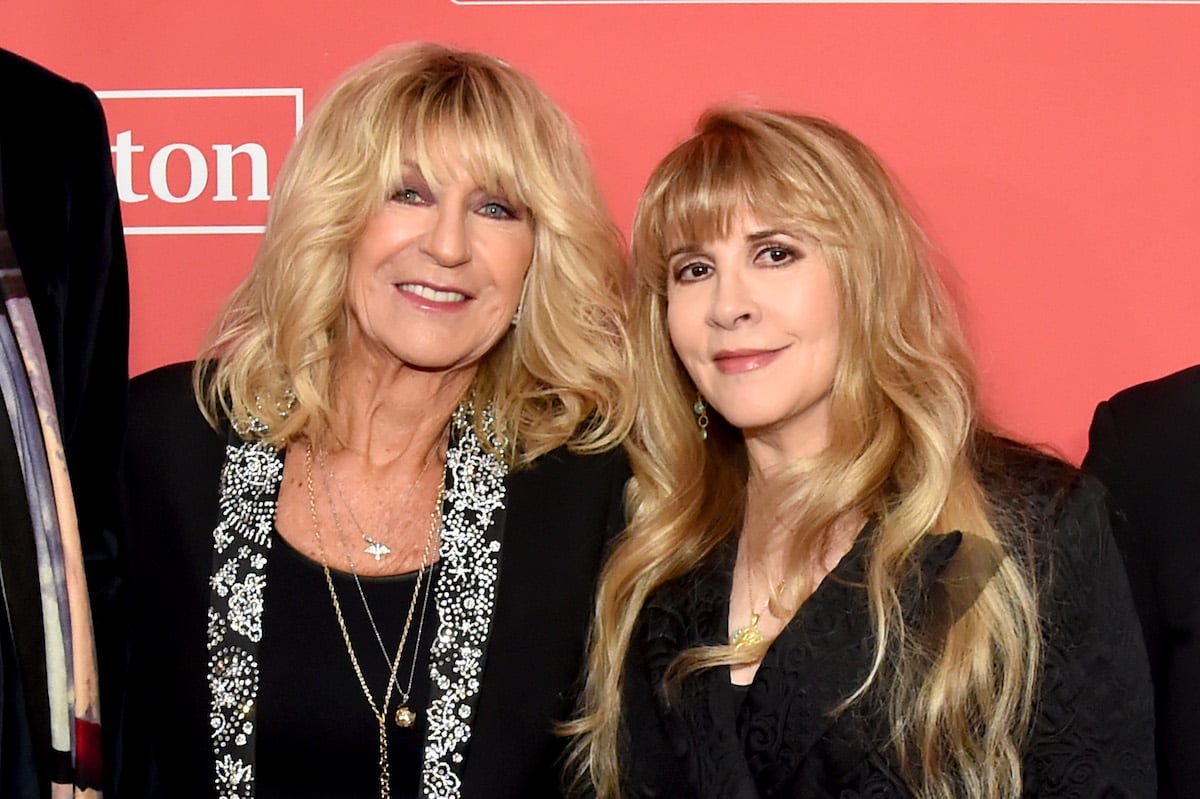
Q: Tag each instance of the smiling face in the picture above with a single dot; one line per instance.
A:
(437, 274)
(753, 318)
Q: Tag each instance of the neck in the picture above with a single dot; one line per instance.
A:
(387, 412)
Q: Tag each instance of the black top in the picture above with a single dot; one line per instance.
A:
(317, 737)
(1145, 447)
(557, 518)
(1093, 728)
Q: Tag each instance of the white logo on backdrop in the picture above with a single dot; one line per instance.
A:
(131, 159)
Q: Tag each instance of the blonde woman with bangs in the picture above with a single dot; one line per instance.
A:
(368, 521)
(836, 581)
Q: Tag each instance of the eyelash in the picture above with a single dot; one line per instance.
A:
(681, 273)
(790, 253)
(401, 195)
(410, 196)
(507, 211)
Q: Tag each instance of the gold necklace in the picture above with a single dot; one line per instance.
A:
(385, 780)
(750, 635)
(405, 716)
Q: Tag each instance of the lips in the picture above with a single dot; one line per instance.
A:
(744, 360)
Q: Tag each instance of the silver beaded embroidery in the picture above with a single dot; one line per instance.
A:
(465, 597)
(249, 488)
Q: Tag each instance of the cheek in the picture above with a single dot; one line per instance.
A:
(683, 325)
(512, 268)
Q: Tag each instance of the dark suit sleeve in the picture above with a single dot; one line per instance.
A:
(1139, 547)
(1093, 734)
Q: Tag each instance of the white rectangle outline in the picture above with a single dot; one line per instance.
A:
(825, 2)
(173, 94)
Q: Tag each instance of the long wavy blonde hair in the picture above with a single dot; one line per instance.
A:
(561, 375)
(904, 424)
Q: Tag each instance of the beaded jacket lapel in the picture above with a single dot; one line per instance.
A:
(465, 597)
(464, 594)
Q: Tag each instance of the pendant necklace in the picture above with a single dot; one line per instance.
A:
(374, 547)
(750, 635)
(405, 715)
(378, 711)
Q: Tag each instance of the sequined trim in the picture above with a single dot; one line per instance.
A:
(465, 597)
(249, 489)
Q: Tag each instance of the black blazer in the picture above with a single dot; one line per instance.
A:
(559, 515)
(61, 211)
(60, 204)
(1092, 732)
(1145, 447)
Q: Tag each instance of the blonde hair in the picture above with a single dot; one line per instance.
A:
(904, 427)
(561, 375)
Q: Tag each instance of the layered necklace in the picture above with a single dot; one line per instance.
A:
(375, 547)
(404, 716)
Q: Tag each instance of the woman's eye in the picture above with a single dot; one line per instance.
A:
(497, 210)
(408, 196)
(696, 270)
(502, 209)
(777, 255)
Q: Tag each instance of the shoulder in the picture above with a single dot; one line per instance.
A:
(167, 433)
(1025, 485)
(1173, 396)
(164, 396)
(29, 84)
(1147, 436)
(564, 464)
(1055, 517)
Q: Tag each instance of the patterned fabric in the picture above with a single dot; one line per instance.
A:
(249, 489)
(70, 656)
(464, 596)
(1092, 734)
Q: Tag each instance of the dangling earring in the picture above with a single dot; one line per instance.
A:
(701, 416)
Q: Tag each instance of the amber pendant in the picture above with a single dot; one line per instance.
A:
(748, 636)
(405, 717)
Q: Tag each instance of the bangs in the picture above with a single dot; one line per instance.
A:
(466, 117)
(725, 170)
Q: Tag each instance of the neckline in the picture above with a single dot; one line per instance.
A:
(339, 574)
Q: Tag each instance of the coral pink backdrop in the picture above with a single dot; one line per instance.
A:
(1052, 148)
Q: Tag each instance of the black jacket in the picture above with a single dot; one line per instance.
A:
(556, 520)
(61, 211)
(1145, 447)
(1093, 726)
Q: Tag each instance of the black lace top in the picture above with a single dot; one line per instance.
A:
(1093, 731)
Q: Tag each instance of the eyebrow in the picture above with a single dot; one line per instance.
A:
(686, 249)
(759, 235)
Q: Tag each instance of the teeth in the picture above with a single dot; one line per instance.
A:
(426, 293)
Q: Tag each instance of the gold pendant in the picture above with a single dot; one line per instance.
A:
(747, 636)
(405, 717)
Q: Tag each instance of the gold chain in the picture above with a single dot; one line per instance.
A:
(385, 780)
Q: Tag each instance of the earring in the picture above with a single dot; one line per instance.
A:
(517, 314)
(701, 416)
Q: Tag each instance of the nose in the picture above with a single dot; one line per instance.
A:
(448, 242)
(733, 302)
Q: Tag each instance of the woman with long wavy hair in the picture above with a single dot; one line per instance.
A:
(399, 446)
(836, 580)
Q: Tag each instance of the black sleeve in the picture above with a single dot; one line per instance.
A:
(1093, 733)
(1106, 460)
